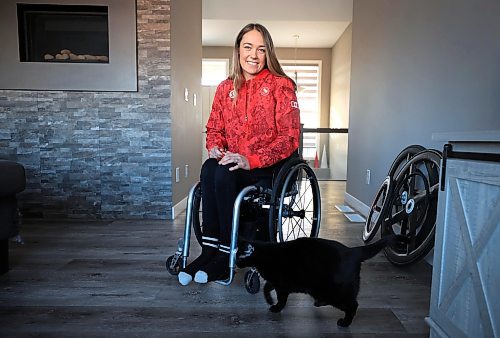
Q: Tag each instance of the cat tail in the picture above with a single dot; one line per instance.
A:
(370, 250)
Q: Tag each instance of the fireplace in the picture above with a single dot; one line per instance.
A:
(77, 45)
(63, 33)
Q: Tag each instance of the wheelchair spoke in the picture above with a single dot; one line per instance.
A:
(396, 218)
(297, 227)
(294, 228)
(300, 228)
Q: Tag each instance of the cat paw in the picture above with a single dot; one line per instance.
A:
(343, 323)
(275, 308)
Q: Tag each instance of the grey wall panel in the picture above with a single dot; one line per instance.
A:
(418, 67)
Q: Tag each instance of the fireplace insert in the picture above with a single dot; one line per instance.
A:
(63, 33)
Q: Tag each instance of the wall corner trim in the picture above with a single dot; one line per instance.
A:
(179, 208)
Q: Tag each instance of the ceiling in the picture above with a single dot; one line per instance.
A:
(318, 23)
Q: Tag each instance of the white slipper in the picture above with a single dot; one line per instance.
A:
(184, 278)
(201, 277)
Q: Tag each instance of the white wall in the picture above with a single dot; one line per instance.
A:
(339, 104)
(186, 55)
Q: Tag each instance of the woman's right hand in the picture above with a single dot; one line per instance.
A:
(215, 152)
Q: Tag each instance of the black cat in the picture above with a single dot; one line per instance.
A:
(325, 269)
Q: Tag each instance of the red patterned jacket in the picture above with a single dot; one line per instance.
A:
(263, 126)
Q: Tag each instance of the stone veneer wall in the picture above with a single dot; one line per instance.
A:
(98, 154)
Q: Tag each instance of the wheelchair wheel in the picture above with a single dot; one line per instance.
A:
(380, 204)
(402, 158)
(377, 211)
(296, 207)
(252, 281)
(278, 181)
(413, 208)
(173, 266)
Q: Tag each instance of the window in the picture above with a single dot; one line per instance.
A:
(307, 76)
(214, 71)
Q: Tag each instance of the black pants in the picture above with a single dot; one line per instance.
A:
(220, 187)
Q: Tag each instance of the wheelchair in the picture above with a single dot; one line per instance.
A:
(287, 208)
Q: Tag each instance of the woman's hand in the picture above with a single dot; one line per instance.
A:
(240, 161)
(215, 152)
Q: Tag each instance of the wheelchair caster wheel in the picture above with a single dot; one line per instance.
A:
(173, 266)
(252, 281)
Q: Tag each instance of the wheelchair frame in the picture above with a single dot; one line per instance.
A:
(284, 186)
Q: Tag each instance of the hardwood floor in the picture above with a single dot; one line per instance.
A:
(108, 279)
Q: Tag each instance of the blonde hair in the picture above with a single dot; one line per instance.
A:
(272, 62)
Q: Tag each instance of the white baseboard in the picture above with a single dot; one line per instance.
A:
(179, 207)
(356, 204)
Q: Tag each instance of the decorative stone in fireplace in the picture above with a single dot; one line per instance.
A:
(87, 46)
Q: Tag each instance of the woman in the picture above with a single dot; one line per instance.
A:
(253, 128)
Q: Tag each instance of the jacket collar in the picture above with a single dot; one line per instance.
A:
(263, 73)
